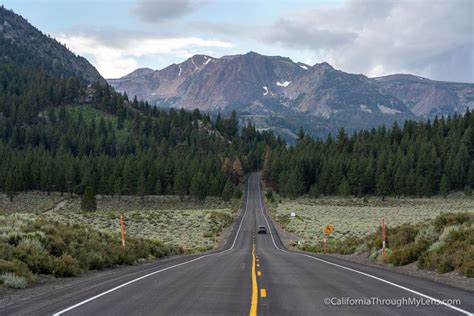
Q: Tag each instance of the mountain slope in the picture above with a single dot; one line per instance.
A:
(428, 98)
(22, 43)
(264, 88)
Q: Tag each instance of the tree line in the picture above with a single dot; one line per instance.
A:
(418, 159)
(63, 135)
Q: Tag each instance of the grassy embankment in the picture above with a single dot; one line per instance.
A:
(67, 241)
(436, 233)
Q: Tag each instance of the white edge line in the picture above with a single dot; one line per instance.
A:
(161, 270)
(357, 271)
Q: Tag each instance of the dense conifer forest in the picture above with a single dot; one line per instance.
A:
(418, 159)
(64, 135)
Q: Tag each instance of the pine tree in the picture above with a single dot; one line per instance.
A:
(158, 187)
(294, 185)
(237, 193)
(443, 186)
(141, 186)
(181, 184)
(467, 190)
(314, 191)
(198, 187)
(228, 191)
(344, 188)
(88, 202)
(237, 171)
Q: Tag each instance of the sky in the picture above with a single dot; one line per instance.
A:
(429, 38)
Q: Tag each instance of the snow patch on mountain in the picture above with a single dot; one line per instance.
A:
(266, 90)
(283, 84)
(364, 108)
(192, 60)
(387, 110)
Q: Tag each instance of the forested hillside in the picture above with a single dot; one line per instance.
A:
(62, 135)
(418, 159)
(23, 44)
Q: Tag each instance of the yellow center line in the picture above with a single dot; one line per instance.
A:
(253, 305)
(263, 293)
(259, 273)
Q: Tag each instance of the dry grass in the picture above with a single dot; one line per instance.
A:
(191, 225)
(354, 217)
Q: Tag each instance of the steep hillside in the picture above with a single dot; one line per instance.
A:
(22, 43)
(428, 98)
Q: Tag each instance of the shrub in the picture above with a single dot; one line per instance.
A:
(362, 248)
(12, 280)
(448, 219)
(401, 235)
(467, 266)
(269, 194)
(408, 253)
(34, 255)
(447, 231)
(237, 193)
(455, 251)
(427, 233)
(17, 267)
(66, 266)
(436, 246)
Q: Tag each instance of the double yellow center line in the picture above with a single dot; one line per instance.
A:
(263, 292)
(254, 303)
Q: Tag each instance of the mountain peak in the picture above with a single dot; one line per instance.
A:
(324, 65)
(139, 72)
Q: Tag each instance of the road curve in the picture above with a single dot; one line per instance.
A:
(252, 274)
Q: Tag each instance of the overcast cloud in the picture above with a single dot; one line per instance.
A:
(160, 10)
(118, 54)
(430, 38)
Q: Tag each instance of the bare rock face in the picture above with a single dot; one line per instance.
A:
(428, 98)
(22, 43)
(261, 85)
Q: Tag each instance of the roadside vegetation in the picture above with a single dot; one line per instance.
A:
(37, 239)
(192, 225)
(32, 247)
(436, 233)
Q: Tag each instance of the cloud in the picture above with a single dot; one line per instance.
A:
(153, 11)
(433, 39)
(117, 58)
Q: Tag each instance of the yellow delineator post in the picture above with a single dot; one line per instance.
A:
(123, 230)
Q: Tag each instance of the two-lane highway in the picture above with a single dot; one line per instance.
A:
(297, 283)
(252, 274)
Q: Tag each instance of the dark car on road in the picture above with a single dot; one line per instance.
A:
(262, 230)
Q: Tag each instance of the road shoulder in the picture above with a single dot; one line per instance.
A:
(451, 279)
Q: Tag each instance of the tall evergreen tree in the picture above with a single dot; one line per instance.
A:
(88, 201)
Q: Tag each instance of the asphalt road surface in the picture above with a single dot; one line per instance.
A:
(253, 274)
